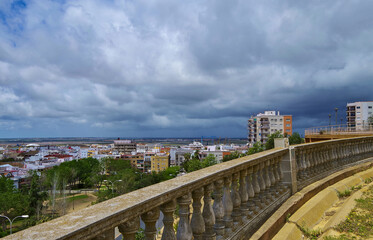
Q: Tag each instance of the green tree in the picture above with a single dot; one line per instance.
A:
(192, 165)
(36, 193)
(209, 161)
(196, 155)
(257, 147)
(231, 156)
(271, 140)
(12, 201)
(187, 156)
(295, 139)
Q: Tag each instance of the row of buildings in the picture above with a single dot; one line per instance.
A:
(17, 161)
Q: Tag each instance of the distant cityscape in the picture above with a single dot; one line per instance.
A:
(19, 156)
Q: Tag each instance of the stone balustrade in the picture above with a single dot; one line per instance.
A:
(317, 160)
(237, 197)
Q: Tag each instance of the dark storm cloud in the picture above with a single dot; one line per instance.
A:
(171, 68)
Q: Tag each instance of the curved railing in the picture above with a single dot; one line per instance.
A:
(238, 196)
(317, 160)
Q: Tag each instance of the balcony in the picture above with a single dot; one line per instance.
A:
(246, 191)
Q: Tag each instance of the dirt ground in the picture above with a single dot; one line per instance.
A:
(80, 203)
(75, 205)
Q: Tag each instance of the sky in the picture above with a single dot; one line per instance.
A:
(169, 68)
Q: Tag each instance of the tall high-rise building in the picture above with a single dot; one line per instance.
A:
(358, 114)
(264, 124)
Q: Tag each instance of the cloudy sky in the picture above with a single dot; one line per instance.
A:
(168, 68)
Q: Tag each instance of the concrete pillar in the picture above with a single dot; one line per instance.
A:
(281, 142)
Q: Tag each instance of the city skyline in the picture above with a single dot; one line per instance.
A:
(178, 69)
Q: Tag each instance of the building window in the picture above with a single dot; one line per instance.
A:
(370, 107)
(358, 107)
(288, 125)
(288, 120)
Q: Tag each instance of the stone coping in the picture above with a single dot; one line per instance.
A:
(270, 228)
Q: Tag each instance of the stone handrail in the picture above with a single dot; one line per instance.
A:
(245, 192)
(316, 160)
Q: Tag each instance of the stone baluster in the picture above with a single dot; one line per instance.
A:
(329, 157)
(275, 171)
(107, 235)
(311, 161)
(267, 181)
(130, 228)
(197, 222)
(252, 189)
(317, 155)
(298, 162)
(345, 152)
(184, 230)
(283, 188)
(244, 195)
(335, 156)
(168, 210)
(368, 144)
(271, 168)
(308, 163)
(341, 149)
(324, 159)
(236, 200)
(271, 171)
(367, 148)
(218, 209)
(351, 154)
(339, 155)
(208, 214)
(150, 218)
(262, 185)
(302, 167)
(257, 188)
(228, 206)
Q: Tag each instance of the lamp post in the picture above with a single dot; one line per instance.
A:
(112, 184)
(336, 116)
(330, 119)
(11, 221)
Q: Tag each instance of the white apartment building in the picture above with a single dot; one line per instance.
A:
(264, 124)
(358, 114)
